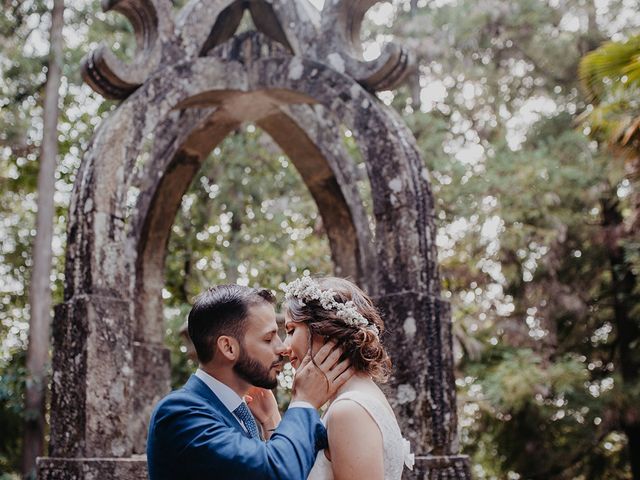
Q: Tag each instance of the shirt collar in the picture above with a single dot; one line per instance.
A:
(227, 396)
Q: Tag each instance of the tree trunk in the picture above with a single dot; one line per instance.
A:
(633, 437)
(416, 89)
(414, 75)
(414, 7)
(40, 290)
(623, 286)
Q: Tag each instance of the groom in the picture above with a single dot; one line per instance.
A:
(205, 430)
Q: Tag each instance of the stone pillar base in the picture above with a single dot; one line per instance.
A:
(445, 467)
(133, 468)
(450, 467)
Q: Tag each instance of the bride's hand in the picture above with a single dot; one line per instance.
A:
(264, 407)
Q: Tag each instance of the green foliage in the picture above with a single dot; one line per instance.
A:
(12, 377)
(612, 63)
(610, 77)
(524, 253)
(530, 405)
(257, 233)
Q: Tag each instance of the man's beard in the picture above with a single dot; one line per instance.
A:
(253, 372)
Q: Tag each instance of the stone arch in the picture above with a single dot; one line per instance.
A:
(318, 161)
(107, 336)
(278, 76)
(327, 172)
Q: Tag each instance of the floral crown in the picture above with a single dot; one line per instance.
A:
(306, 289)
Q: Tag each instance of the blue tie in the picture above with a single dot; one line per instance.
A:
(243, 413)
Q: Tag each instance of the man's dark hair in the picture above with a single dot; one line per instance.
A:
(221, 310)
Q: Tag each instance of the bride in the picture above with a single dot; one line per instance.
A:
(364, 437)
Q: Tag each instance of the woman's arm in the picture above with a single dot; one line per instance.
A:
(355, 443)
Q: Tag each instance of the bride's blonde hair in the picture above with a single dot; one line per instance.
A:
(361, 345)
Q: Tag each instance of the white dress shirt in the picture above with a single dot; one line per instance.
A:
(230, 399)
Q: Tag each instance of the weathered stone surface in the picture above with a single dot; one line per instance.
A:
(92, 378)
(341, 22)
(152, 382)
(92, 468)
(153, 26)
(331, 37)
(419, 341)
(440, 467)
(191, 84)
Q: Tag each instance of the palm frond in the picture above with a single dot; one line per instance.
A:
(612, 63)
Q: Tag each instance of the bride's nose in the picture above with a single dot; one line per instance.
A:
(286, 351)
(283, 347)
(286, 348)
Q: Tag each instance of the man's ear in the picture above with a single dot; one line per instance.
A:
(228, 347)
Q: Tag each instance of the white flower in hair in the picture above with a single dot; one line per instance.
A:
(306, 289)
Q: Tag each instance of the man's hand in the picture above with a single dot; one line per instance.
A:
(317, 383)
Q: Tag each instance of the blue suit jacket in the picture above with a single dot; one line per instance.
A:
(193, 436)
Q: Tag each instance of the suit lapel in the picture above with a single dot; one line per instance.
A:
(201, 389)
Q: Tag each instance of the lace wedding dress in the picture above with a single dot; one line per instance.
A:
(396, 449)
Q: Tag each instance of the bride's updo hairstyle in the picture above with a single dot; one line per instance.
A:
(361, 343)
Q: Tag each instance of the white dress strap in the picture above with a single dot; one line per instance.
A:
(383, 417)
(394, 445)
